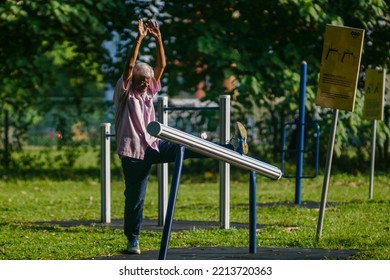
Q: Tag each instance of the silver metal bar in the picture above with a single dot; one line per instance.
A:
(162, 168)
(224, 168)
(372, 161)
(105, 173)
(328, 167)
(212, 150)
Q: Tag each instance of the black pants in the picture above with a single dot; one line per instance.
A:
(136, 173)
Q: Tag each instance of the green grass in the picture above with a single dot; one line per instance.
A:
(352, 221)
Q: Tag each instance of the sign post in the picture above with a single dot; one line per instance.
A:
(373, 110)
(339, 71)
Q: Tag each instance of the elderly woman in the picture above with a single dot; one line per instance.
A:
(133, 99)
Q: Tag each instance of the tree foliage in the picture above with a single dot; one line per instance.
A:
(56, 48)
(261, 45)
(51, 56)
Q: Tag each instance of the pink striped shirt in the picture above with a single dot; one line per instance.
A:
(133, 112)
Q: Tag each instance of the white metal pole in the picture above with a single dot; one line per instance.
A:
(162, 168)
(372, 161)
(224, 168)
(105, 174)
(328, 167)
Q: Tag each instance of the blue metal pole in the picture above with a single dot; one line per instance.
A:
(252, 212)
(171, 203)
(301, 134)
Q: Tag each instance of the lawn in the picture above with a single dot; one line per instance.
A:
(352, 221)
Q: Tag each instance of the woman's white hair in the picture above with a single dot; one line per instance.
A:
(143, 69)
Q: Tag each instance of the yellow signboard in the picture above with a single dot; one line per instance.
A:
(374, 94)
(339, 70)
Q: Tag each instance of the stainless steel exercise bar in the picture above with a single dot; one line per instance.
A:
(212, 150)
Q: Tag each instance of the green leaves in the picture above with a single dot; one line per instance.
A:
(53, 51)
(261, 44)
(56, 46)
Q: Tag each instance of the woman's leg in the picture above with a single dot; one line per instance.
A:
(136, 173)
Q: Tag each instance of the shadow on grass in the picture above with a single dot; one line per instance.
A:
(305, 204)
(194, 253)
(148, 225)
(56, 174)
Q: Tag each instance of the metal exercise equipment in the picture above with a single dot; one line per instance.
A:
(300, 150)
(162, 169)
(211, 150)
(224, 168)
